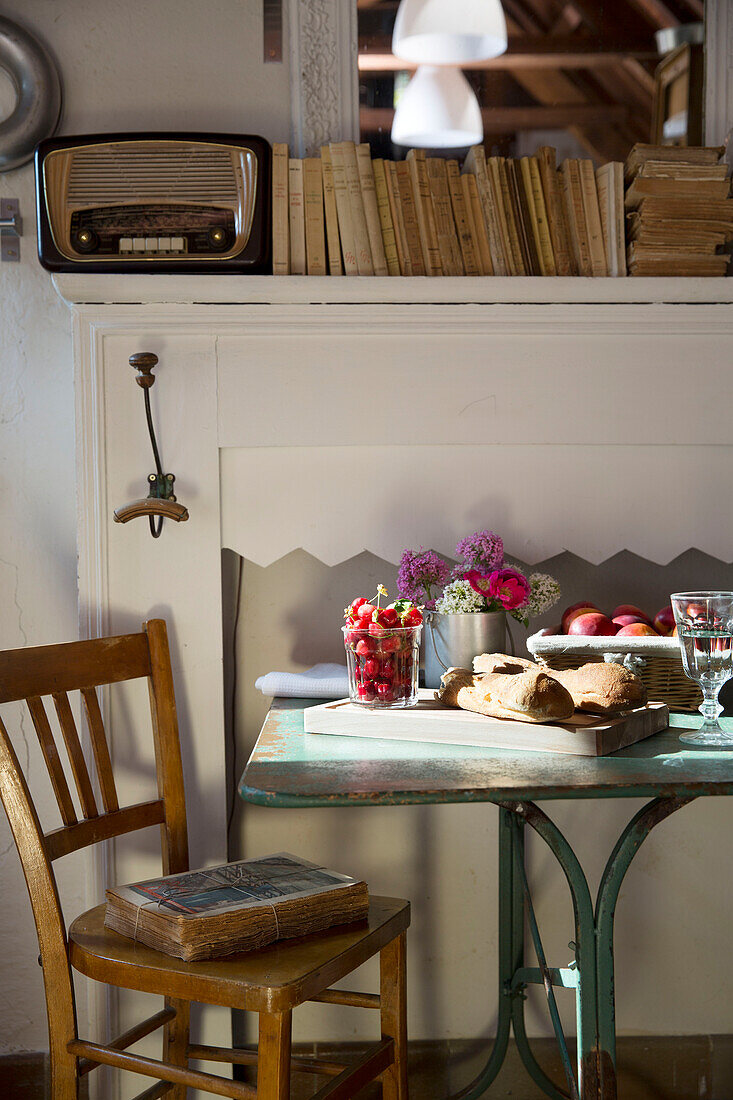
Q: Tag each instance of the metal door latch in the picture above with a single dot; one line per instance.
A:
(11, 230)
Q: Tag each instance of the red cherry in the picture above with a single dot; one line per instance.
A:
(377, 630)
(387, 672)
(372, 667)
(369, 688)
(365, 646)
(390, 644)
(366, 610)
(413, 617)
(385, 693)
(388, 617)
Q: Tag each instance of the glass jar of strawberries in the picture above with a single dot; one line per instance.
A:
(382, 651)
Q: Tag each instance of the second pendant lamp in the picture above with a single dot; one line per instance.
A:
(438, 110)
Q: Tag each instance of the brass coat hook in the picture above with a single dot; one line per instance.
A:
(160, 503)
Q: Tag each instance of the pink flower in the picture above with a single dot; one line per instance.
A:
(508, 587)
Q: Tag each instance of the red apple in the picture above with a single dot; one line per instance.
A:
(572, 613)
(627, 620)
(637, 630)
(630, 609)
(664, 620)
(592, 623)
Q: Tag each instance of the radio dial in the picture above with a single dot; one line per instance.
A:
(217, 237)
(86, 240)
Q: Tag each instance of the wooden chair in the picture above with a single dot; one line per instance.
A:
(271, 982)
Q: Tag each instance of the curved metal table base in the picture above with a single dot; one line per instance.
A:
(590, 973)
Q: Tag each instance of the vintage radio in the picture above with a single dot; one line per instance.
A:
(154, 202)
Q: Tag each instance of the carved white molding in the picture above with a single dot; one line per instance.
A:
(324, 87)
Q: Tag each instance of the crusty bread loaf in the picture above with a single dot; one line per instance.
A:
(502, 662)
(528, 696)
(602, 687)
(598, 687)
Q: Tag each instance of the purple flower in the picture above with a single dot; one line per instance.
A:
(420, 571)
(482, 551)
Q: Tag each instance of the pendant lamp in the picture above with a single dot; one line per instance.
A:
(438, 110)
(449, 32)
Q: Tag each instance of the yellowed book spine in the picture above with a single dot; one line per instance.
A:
(389, 239)
(371, 212)
(343, 206)
(450, 250)
(561, 247)
(495, 187)
(409, 217)
(297, 218)
(333, 246)
(476, 217)
(280, 210)
(395, 206)
(617, 184)
(358, 217)
(513, 230)
(416, 159)
(604, 206)
(576, 216)
(544, 237)
(599, 263)
(315, 236)
(475, 163)
(464, 225)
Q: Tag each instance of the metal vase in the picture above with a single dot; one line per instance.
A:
(452, 641)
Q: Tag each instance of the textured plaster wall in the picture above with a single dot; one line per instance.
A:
(171, 64)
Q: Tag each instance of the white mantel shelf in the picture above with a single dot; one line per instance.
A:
(91, 289)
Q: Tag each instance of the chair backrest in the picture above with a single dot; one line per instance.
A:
(29, 675)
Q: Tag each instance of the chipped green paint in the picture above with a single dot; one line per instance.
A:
(290, 768)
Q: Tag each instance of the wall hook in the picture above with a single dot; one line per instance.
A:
(160, 503)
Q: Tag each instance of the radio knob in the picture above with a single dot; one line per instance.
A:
(86, 240)
(217, 237)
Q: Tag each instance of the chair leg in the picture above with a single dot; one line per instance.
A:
(273, 1056)
(175, 1042)
(393, 992)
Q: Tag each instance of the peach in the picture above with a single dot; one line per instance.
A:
(627, 620)
(664, 620)
(630, 609)
(592, 623)
(574, 611)
(637, 630)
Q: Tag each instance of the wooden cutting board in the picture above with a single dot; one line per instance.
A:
(583, 735)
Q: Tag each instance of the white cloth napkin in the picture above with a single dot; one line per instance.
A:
(324, 681)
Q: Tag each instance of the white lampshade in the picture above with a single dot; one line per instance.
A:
(449, 32)
(438, 110)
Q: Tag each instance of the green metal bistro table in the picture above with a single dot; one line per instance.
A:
(289, 768)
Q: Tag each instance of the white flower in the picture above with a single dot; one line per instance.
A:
(544, 594)
(460, 598)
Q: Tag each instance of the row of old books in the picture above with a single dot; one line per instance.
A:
(679, 210)
(344, 213)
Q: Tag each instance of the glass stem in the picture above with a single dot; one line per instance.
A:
(710, 708)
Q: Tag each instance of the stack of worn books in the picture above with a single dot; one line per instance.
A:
(679, 210)
(238, 907)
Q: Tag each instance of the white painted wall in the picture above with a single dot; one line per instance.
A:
(178, 64)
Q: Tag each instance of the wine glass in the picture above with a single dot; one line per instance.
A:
(705, 629)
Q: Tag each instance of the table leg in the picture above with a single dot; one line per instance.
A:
(511, 949)
(618, 864)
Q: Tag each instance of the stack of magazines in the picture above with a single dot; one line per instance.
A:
(238, 907)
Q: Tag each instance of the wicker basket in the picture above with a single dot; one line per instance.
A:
(656, 661)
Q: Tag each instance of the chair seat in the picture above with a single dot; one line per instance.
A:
(273, 979)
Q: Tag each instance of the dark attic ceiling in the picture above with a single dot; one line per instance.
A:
(586, 66)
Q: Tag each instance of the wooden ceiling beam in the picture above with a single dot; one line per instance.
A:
(525, 52)
(657, 13)
(510, 119)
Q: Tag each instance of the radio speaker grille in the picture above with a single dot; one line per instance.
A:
(201, 174)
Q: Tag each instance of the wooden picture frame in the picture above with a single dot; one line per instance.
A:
(678, 97)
